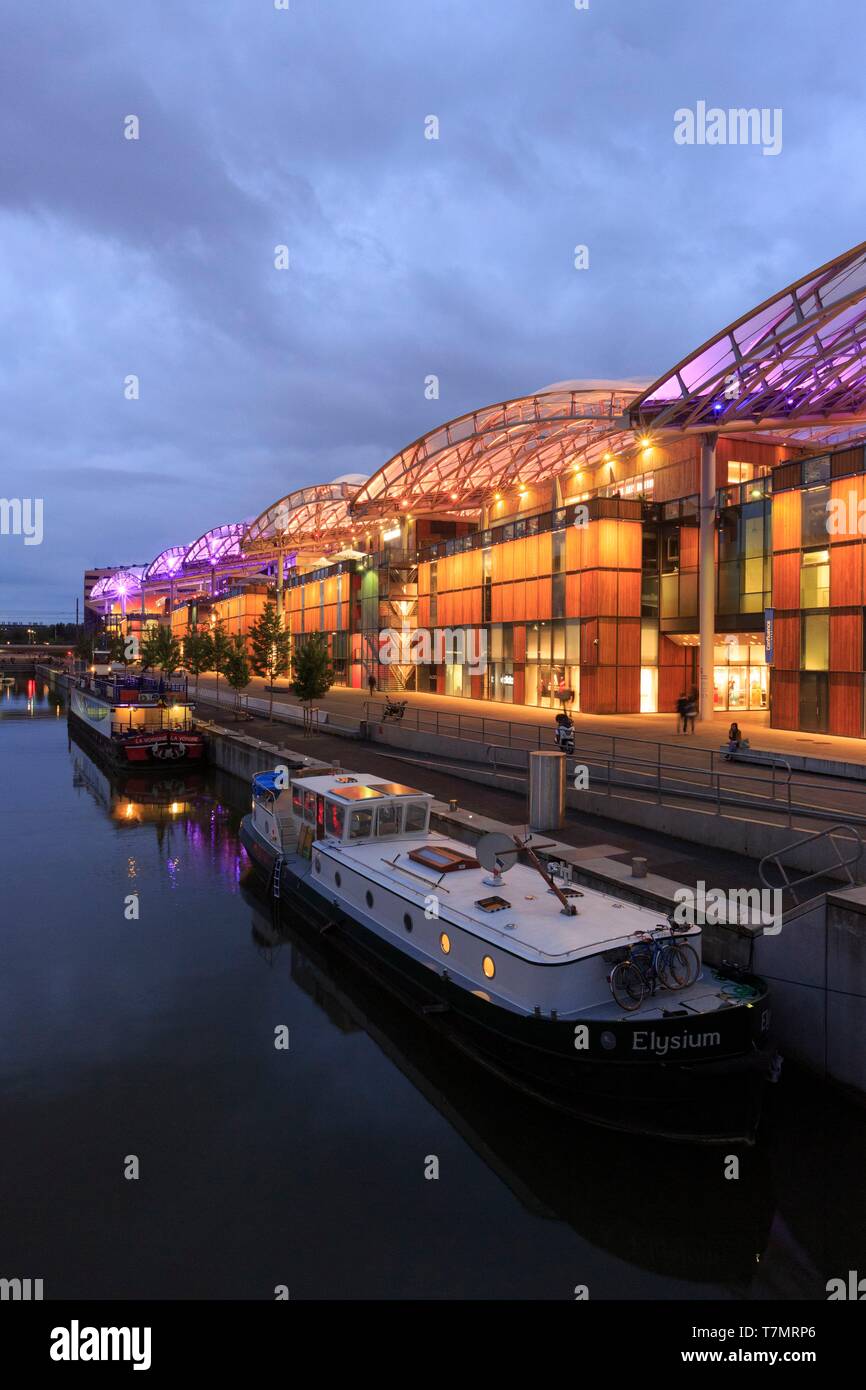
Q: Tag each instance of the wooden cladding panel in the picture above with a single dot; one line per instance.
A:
(786, 521)
(572, 596)
(680, 480)
(786, 580)
(785, 699)
(787, 641)
(846, 640)
(598, 690)
(672, 684)
(628, 642)
(628, 689)
(689, 547)
(628, 602)
(846, 704)
(671, 653)
(847, 518)
(846, 575)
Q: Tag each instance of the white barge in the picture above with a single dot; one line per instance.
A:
(517, 971)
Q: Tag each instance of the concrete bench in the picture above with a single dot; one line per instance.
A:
(760, 756)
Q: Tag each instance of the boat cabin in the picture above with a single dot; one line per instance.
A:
(350, 807)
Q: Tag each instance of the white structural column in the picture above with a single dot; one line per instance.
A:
(707, 574)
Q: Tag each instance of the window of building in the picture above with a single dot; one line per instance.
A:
(815, 642)
(814, 515)
(739, 472)
(815, 579)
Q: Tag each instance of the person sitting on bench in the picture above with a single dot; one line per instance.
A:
(735, 738)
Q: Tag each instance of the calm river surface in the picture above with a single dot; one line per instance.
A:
(305, 1167)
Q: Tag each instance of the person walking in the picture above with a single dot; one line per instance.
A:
(691, 713)
(681, 713)
(371, 684)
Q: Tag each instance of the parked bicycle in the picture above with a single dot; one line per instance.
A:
(659, 958)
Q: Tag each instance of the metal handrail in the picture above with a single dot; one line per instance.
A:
(791, 886)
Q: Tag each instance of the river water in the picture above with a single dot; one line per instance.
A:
(142, 985)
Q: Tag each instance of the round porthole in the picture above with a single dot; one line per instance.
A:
(445, 942)
(407, 921)
(488, 967)
(318, 865)
(337, 878)
(369, 898)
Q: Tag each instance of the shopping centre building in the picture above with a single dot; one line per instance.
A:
(621, 541)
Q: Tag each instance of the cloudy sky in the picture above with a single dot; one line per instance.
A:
(261, 127)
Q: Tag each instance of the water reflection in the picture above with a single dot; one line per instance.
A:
(640, 1201)
(28, 697)
(184, 1007)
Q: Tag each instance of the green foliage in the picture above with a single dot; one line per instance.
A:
(313, 674)
(160, 649)
(220, 648)
(84, 646)
(269, 648)
(237, 666)
(198, 654)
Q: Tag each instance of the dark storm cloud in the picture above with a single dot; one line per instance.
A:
(408, 257)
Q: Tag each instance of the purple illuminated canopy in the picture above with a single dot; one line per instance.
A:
(219, 544)
(118, 585)
(794, 365)
(166, 564)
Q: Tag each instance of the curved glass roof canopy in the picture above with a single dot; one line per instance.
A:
(793, 366)
(215, 546)
(309, 516)
(461, 465)
(166, 565)
(118, 585)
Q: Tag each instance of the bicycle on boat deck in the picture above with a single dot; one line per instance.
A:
(659, 958)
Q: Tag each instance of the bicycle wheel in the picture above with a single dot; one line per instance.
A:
(627, 985)
(678, 966)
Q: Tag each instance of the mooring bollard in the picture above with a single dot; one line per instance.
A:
(638, 866)
(546, 790)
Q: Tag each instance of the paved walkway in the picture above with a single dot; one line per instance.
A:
(594, 835)
(661, 728)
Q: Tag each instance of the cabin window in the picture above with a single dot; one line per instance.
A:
(361, 824)
(335, 819)
(407, 921)
(416, 817)
(309, 806)
(488, 967)
(298, 802)
(389, 819)
(368, 896)
(445, 943)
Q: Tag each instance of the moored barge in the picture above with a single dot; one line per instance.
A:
(135, 719)
(516, 972)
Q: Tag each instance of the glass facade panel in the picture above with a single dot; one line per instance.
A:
(814, 515)
(815, 642)
(815, 579)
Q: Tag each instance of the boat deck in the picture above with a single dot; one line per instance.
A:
(531, 925)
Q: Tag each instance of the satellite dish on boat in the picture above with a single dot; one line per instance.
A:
(497, 853)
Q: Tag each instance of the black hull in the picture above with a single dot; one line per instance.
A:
(708, 1101)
